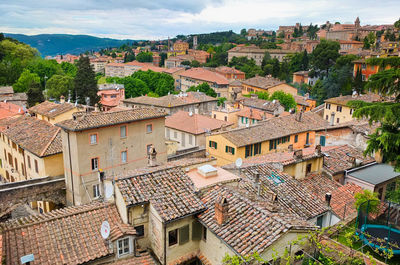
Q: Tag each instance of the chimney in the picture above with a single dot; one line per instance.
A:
(96, 107)
(318, 149)
(62, 99)
(352, 160)
(298, 154)
(299, 115)
(290, 147)
(221, 210)
(151, 156)
(328, 197)
(332, 119)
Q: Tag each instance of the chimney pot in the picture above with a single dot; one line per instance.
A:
(298, 154)
(62, 99)
(318, 149)
(221, 210)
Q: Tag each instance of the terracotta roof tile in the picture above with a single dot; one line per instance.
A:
(249, 226)
(228, 70)
(144, 259)
(274, 128)
(205, 75)
(85, 121)
(172, 100)
(262, 82)
(36, 136)
(342, 100)
(340, 158)
(265, 105)
(170, 191)
(51, 109)
(66, 236)
(253, 114)
(9, 109)
(195, 124)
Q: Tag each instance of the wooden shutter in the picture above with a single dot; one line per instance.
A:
(183, 234)
(196, 230)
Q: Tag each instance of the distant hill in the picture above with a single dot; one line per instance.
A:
(53, 44)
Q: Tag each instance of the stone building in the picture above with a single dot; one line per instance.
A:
(257, 54)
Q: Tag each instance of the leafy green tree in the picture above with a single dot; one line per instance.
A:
(397, 24)
(129, 57)
(247, 66)
(69, 69)
(286, 99)
(243, 32)
(221, 101)
(60, 85)
(85, 82)
(25, 81)
(145, 57)
(205, 88)
(113, 55)
(324, 57)
(276, 67)
(45, 69)
(163, 57)
(195, 63)
(358, 82)
(318, 92)
(367, 45)
(362, 199)
(312, 31)
(34, 94)
(187, 63)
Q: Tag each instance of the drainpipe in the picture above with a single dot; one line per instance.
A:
(70, 167)
(165, 244)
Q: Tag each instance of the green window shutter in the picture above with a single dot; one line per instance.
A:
(226, 149)
(233, 151)
(215, 145)
(196, 230)
(209, 143)
(183, 234)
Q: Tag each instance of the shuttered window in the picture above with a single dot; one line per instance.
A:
(196, 230)
(183, 234)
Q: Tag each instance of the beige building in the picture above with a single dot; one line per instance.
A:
(336, 110)
(190, 129)
(196, 102)
(109, 142)
(257, 54)
(53, 112)
(266, 84)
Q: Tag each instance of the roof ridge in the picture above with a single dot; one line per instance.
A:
(150, 172)
(50, 142)
(53, 215)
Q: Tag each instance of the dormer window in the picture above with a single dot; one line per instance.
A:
(124, 246)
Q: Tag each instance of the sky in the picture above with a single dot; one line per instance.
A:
(159, 19)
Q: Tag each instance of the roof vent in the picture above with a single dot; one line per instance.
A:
(207, 171)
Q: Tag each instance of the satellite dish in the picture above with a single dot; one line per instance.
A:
(108, 190)
(105, 230)
(239, 162)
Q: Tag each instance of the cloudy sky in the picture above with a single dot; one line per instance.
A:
(157, 19)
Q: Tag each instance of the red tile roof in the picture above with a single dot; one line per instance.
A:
(205, 75)
(263, 82)
(66, 236)
(51, 109)
(170, 191)
(342, 100)
(253, 114)
(144, 259)
(193, 124)
(8, 109)
(228, 70)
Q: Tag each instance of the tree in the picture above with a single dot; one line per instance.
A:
(60, 85)
(397, 24)
(113, 55)
(45, 69)
(362, 199)
(248, 66)
(69, 69)
(243, 32)
(318, 92)
(195, 63)
(205, 88)
(144, 57)
(163, 57)
(85, 82)
(25, 81)
(35, 94)
(286, 99)
(324, 57)
(358, 82)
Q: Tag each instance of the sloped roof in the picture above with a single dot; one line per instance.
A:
(262, 82)
(266, 105)
(8, 109)
(66, 236)
(249, 227)
(170, 191)
(51, 109)
(342, 100)
(194, 124)
(85, 121)
(37, 136)
(273, 128)
(205, 75)
(170, 101)
(289, 192)
(253, 114)
(228, 70)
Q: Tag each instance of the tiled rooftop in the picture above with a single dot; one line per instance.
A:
(266, 105)
(340, 158)
(249, 227)
(291, 196)
(342, 100)
(222, 176)
(66, 236)
(8, 109)
(205, 75)
(274, 128)
(85, 121)
(253, 114)
(194, 124)
(172, 100)
(144, 259)
(262, 82)
(170, 191)
(51, 109)
(36, 136)
(228, 70)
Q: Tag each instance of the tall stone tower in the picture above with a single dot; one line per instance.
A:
(194, 42)
(357, 22)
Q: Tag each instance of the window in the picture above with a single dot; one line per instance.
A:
(173, 237)
(95, 163)
(326, 117)
(36, 166)
(319, 221)
(139, 230)
(339, 108)
(149, 128)
(363, 78)
(308, 138)
(168, 133)
(124, 157)
(190, 139)
(328, 106)
(175, 134)
(122, 131)
(229, 149)
(29, 162)
(226, 118)
(215, 116)
(204, 234)
(183, 137)
(364, 66)
(93, 138)
(212, 144)
(351, 111)
(257, 148)
(308, 168)
(96, 190)
(183, 234)
(123, 246)
(248, 150)
(337, 120)
(16, 164)
(296, 138)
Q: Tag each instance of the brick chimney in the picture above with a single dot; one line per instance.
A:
(221, 210)
(299, 115)
(62, 99)
(290, 147)
(298, 154)
(318, 149)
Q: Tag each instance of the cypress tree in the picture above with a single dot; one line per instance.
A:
(85, 82)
